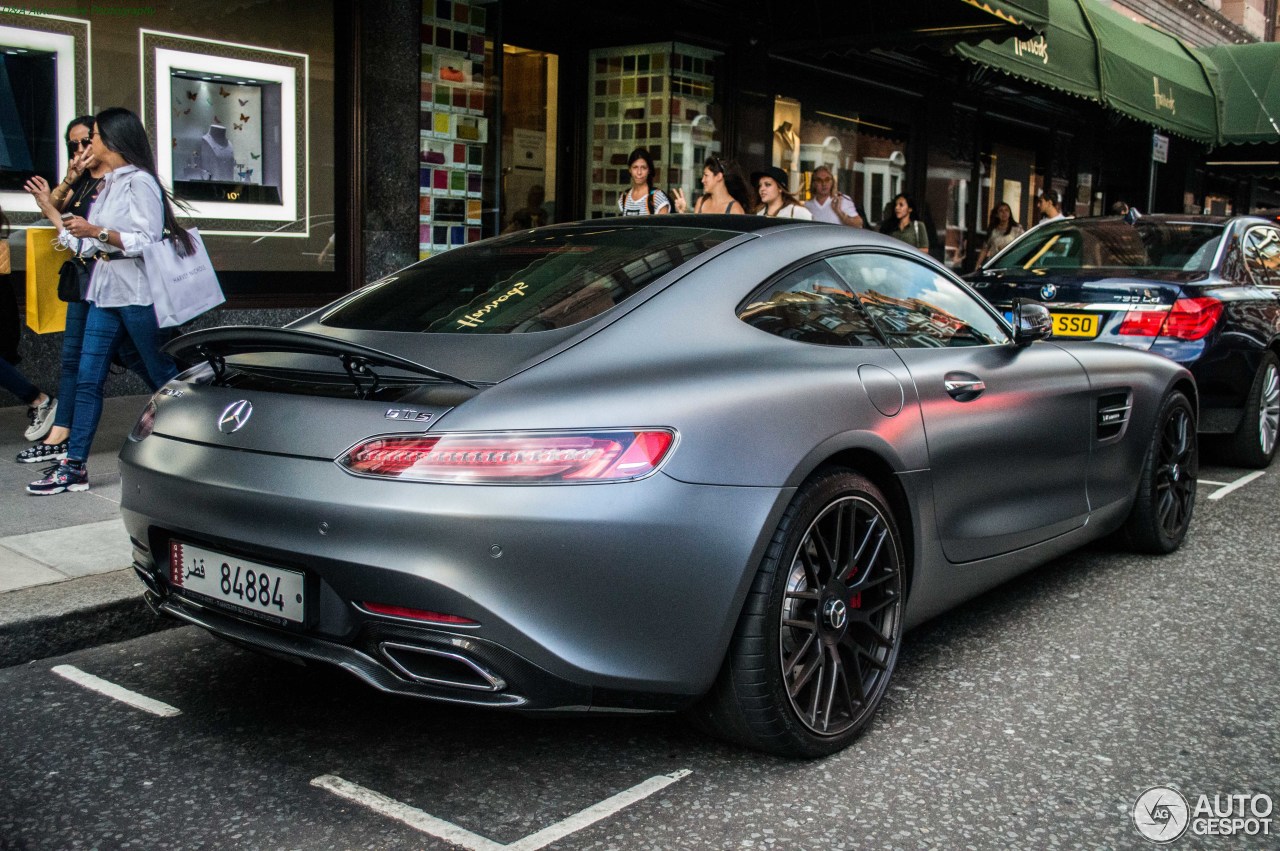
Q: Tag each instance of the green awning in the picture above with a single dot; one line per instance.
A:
(1153, 77)
(1033, 14)
(1089, 50)
(1249, 86)
(1063, 57)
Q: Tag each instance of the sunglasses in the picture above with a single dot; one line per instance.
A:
(83, 143)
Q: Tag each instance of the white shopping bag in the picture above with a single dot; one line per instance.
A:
(182, 288)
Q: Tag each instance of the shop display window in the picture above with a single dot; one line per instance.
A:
(44, 83)
(865, 155)
(453, 126)
(235, 117)
(662, 97)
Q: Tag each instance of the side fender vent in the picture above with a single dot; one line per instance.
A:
(1113, 414)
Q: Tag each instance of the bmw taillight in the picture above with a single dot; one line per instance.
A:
(512, 457)
(1188, 319)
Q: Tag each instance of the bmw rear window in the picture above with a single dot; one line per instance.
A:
(1113, 243)
(536, 281)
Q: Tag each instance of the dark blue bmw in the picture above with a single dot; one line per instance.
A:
(1201, 290)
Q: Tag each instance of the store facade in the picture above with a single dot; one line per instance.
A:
(357, 138)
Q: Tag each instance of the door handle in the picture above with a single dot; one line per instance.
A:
(964, 389)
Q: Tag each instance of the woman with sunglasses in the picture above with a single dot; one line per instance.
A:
(724, 190)
(74, 195)
(133, 211)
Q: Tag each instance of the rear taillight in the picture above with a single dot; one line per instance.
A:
(146, 422)
(1188, 319)
(512, 457)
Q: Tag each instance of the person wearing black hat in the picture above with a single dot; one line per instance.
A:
(775, 200)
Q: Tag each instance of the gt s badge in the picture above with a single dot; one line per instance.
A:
(407, 414)
(1048, 291)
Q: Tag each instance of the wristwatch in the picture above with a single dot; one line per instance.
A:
(102, 237)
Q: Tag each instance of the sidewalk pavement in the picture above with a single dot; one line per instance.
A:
(65, 575)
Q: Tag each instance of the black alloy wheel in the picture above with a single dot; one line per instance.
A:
(818, 639)
(1254, 443)
(1166, 494)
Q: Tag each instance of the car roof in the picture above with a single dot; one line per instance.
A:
(713, 221)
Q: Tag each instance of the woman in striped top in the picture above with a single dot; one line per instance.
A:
(642, 199)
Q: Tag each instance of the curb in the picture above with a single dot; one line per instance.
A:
(52, 620)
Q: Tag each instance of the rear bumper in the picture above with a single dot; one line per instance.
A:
(586, 595)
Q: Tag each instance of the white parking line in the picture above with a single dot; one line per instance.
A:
(1237, 484)
(120, 693)
(449, 832)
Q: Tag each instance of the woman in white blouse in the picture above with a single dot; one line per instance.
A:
(132, 211)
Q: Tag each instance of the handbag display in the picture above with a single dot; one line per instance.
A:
(73, 279)
(46, 313)
(182, 288)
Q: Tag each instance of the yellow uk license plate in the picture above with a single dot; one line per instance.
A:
(1075, 324)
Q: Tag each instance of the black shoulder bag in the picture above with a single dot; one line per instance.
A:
(73, 279)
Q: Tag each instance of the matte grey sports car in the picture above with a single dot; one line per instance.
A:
(712, 463)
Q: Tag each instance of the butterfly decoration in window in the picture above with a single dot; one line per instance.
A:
(255, 156)
(244, 117)
(245, 174)
(223, 91)
(243, 101)
(238, 126)
(191, 95)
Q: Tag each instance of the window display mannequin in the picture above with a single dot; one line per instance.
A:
(217, 159)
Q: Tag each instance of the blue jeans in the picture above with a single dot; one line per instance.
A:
(16, 383)
(72, 343)
(105, 328)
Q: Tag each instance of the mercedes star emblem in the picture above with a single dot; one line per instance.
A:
(234, 416)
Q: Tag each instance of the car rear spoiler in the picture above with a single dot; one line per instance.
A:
(215, 345)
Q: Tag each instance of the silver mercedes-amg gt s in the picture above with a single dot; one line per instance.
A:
(708, 463)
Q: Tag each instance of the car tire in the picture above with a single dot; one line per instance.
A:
(1254, 443)
(817, 640)
(1166, 494)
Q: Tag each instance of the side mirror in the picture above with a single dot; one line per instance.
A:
(1031, 322)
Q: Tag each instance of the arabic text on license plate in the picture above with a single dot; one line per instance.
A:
(1075, 325)
(245, 584)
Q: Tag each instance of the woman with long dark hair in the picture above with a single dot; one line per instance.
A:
(132, 211)
(905, 226)
(642, 199)
(75, 194)
(723, 190)
(1002, 229)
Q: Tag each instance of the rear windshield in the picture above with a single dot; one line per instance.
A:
(1187, 246)
(528, 282)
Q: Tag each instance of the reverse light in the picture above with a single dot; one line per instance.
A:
(512, 457)
(1188, 319)
(416, 614)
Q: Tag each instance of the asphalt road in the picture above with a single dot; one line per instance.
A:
(1032, 717)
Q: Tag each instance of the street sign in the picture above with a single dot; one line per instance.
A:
(1159, 148)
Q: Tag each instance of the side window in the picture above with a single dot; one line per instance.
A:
(1262, 255)
(811, 305)
(916, 306)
